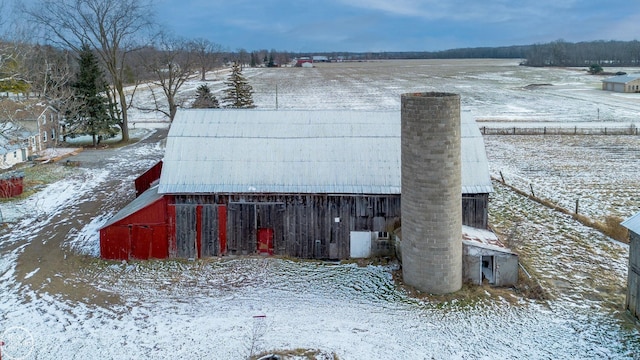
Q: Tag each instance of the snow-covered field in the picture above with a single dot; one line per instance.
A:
(58, 301)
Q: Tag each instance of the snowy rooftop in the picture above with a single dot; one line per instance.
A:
(259, 151)
(622, 79)
(482, 238)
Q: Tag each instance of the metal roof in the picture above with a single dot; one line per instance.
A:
(145, 199)
(266, 151)
(622, 79)
(632, 223)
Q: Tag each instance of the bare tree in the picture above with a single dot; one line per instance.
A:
(207, 55)
(112, 27)
(171, 64)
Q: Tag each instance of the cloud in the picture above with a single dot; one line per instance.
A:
(464, 10)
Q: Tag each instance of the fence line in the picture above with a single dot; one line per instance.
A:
(514, 130)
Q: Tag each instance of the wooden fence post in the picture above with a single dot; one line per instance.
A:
(502, 177)
(532, 193)
(577, 204)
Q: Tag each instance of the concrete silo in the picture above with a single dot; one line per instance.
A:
(431, 192)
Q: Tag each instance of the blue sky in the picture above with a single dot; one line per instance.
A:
(397, 25)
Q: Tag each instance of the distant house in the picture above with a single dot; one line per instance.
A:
(632, 302)
(14, 145)
(320, 58)
(307, 184)
(629, 83)
(41, 121)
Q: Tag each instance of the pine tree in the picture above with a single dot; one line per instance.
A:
(91, 113)
(238, 94)
(205, 99)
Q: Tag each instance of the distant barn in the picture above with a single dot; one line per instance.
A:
(306, 184)
(628, 83)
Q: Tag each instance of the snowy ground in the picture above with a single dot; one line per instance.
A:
(58, 301)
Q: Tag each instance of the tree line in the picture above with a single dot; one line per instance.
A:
(126, 48)
(98, 53)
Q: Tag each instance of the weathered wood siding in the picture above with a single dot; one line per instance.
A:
(633, 286)
(475, 208)
(304, 226)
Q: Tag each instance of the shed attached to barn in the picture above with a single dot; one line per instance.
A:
(297, 183)
(632, 302)
(629, 83)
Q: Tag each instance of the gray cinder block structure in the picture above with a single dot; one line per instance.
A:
(430, 196)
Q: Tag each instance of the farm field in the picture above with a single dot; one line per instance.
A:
(66, 303)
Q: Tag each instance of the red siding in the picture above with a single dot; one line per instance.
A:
(171, 229)
(11, 187)
(144, 181)
(141, 235)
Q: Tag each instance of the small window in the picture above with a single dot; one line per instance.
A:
(15, 154)
(53, 134)
(44, 136)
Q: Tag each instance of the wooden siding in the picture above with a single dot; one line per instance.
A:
(475, 210)
(633, 285)
(11, 187)
(304, 226)
(142, 235)
(144, 181)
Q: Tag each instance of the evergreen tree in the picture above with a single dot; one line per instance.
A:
(205, 99)
(238, 94)
(90, 116)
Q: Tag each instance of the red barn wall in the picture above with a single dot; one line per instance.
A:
(144, 181)
(141, 235)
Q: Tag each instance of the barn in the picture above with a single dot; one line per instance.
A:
(633, 280)
(307, 184)
(629, 83)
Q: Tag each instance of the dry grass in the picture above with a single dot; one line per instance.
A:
(471, 294)
(310, 354)
(610, 226)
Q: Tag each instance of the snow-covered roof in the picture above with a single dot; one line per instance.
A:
(482, 238)
(266, 151)
(622, 79)
(632, 223)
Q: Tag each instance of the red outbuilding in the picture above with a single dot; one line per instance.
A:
(139, 230)
(11, 184)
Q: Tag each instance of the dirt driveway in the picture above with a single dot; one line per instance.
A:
(46, 264)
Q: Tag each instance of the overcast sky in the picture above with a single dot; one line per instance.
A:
(398, 25)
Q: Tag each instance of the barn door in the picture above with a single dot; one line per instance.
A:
(241, 226)
(265, 241)
(186, 231)
(141, 240)
(209, 231)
